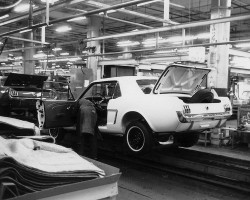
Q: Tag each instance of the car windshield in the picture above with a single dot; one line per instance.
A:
(56, 90)
(146, 85)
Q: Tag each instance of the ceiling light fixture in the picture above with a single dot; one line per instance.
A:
(203, 36)
(4, 16)
(153, 1)
(39, 55)
(24, 31)
(108, 12)
(57, 49)
(50, 1)
(63, 29)
(64, 54)
(127, 43)
(149, 2)
(242, 45)
(23, 8)
(77, 19)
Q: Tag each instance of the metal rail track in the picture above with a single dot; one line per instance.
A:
(224, 171)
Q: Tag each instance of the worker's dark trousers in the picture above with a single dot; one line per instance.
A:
(87, 129)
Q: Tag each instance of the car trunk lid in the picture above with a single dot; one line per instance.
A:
(182, 79)
(16, 80)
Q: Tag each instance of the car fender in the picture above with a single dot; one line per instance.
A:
(158, 111)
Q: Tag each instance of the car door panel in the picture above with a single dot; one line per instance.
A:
(59, 113)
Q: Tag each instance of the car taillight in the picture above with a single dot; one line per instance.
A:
(186, 109)
(13, 93)
(181, 118)
(227, 108)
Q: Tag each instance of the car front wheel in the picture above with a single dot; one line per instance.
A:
(138, 138)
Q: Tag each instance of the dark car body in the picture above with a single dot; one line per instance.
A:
(19, 93)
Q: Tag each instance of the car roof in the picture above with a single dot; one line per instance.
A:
(126, 78)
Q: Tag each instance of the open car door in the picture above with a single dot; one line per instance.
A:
(56, 113)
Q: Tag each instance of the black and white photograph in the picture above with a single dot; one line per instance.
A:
(124, 99)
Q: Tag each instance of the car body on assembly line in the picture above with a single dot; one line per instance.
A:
(147, 110)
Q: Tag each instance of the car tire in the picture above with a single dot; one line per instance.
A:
(57, 134)
(138, 138)
(202, 96)
(4, 111)
(187, 139)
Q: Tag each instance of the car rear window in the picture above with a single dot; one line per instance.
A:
(146, 85)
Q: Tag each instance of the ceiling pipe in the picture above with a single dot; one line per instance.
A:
(114, 19)
(40, 11)
(114, 7)
(154, 49)
(27, 40)
(129, 12)
(172, 27)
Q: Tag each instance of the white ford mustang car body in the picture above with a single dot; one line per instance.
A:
(147, 110)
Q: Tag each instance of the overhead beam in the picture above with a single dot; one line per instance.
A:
(114, 7)
(41, 11)
(27, 40)
(172, 27)
(129, 12)
(114, 19)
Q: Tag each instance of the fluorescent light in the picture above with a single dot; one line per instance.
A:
(242, 45)
(149, 2)
(57, 49)
(127, 43)
(4, 16)
(39, 55)
(152, 41)
(64, 54)
(1, 43)
(63, 29)
(172, 51)
(203, 35)
(165, 51)
(108, 12)
(24, 31)
(50, 1)
(23, 7)
(153, 1)
(176, 5)
(76, 19)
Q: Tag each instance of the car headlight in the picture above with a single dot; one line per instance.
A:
(227, 108)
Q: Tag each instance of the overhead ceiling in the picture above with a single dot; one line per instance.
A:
(134, 17)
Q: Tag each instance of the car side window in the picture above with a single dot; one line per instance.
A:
(109, 90)
(146, 85)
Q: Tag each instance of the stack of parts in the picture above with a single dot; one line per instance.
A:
(28, 166)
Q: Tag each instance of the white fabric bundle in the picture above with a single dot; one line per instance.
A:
(20, 124)
(44, 156)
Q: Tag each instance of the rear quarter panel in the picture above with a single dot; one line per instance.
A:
(158, 111)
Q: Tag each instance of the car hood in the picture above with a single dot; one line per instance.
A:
(180, 79)
(25, 80)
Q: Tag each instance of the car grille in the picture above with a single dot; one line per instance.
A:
(13, 93)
